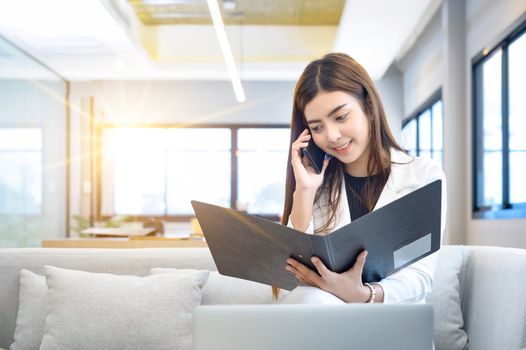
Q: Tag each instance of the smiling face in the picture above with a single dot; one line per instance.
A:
(339, 127)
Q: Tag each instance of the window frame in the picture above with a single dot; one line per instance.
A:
(506, 210)
(426, 106)
(233, 162)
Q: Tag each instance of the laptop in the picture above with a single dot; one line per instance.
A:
(313, 327)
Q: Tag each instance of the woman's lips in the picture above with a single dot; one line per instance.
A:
(341, 150)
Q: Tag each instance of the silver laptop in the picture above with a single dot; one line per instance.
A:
(316, 327)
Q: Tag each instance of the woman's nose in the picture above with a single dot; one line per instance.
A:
(333, 133)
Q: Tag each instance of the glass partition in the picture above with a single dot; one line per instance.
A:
(32, 150)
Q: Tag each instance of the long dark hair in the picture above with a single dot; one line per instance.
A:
(339, 72)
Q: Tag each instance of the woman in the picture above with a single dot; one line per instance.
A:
(337, 107)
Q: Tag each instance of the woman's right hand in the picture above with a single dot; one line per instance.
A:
(306, 177)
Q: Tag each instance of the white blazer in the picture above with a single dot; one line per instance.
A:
(408, 173)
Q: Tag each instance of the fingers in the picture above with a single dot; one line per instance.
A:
(303, 138)
(301, 142)
(303, 273)
(360, 262)
(320, 266)
(302, 281)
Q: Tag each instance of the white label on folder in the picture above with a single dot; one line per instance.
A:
(412, 251)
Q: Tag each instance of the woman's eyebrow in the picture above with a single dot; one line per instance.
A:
(336, 109)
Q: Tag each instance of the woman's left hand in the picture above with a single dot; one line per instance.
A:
(346, 286)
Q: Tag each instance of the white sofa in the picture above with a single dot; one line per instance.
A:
(479, 294)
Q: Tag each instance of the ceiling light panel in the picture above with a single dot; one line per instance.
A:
(67, 35)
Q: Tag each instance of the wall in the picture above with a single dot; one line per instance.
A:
(422, 66)
(170, 102)
(391, 91)
(455, 130)
(425, 69)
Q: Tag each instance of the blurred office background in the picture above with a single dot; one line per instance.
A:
(126, 107)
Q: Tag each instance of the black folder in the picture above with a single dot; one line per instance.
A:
(395, 236)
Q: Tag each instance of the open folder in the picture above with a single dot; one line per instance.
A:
(395, 236)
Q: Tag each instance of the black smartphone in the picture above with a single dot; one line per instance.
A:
(315, 156)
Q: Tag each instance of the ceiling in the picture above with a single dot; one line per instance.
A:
(175, 39)
(248, 12)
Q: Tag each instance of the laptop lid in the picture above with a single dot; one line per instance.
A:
(316, 327)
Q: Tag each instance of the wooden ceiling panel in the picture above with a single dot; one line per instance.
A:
(247, 12)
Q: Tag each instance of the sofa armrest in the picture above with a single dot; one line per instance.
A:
(493, 286)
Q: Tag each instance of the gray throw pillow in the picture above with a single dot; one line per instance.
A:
(32, 311)
(104, 311)
(222, 290)
(449, 333)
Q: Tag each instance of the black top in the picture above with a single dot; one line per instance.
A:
(355, 187)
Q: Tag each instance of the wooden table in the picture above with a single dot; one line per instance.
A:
(132, 242)
(118, 231)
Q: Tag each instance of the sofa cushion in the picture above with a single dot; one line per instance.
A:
(449, 333)
(31, 316)
(104, 311)
(493, 298)
(220, 289)
(131, 261)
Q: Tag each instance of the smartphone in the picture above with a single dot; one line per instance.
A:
(314, 155)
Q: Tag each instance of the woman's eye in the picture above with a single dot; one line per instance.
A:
(316, 129)
(342, 117)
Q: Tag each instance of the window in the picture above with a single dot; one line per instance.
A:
(499, 124)
(198, 167)
(21, 175)
(517, 119)
(157, 171)
(262, 159)
(422, 132)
